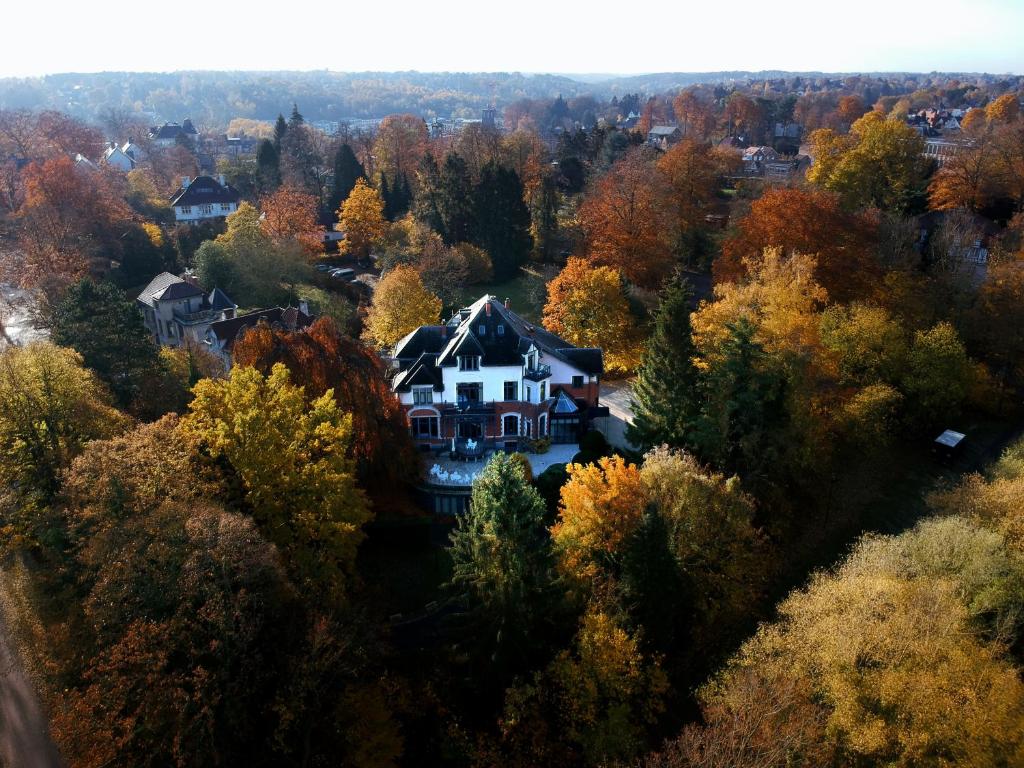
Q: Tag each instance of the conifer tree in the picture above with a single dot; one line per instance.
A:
(296, 119)
(502, 219)
(347, 170)
(455, 200)
(666, 388)
(386, 197)
(280, 129)
(427, 205)
(502, 566)
(268, 163)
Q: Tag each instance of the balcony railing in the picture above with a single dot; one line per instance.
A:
(538, 372)
(202, 316)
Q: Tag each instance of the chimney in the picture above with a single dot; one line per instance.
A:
(508, 303)
(444, 331)
(487, 307)
(185, 181)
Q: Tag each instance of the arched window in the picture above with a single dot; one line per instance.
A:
(542, 425)
(510, 424)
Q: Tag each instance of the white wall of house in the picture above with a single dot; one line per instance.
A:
(200, 212)
(118, 159)
(562, 372)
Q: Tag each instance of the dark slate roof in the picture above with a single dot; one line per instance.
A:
(178, 290)
(423, 372)
(664, 130)
(229, 330)
(587, 359)
(172, 130)
(499, 337)
(426, 338)
(205, 190)
(218, 300)
(157, 285)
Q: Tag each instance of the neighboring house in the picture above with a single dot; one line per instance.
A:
(81, 161)
(168, 134)
(176, 310)
(943, 150)
(134, 151)
(204, 198)
(754, 159)
(786, 168)
(221, 335)
(488, 374)
(664, 136)
(117, 158)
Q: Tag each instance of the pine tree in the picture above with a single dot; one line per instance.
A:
(427, 205)
(268, 163)
(402, 196)
(502, 567)
(667, 385)
(743, 414)
(502, 220)
(347, 170)
(280, 129)
(387, 197)
(296, 119)
(455, 200)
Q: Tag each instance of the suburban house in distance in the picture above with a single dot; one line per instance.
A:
(204, 197)
(176, 310)
(490, 378)
(664, 136)
(116, 157)
(168, 134)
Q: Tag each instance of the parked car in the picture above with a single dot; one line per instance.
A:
(343, 274)
(324, 267)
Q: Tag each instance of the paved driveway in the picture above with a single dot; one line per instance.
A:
(616, 395)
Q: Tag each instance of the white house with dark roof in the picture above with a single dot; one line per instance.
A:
(115, 157)
(489, 377)
(167, 135)
(176, 310)
(204, 197)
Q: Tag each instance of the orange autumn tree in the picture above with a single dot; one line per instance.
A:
(627, 222)
(811, 222)
(691, 172)
(321, 358)
(291, 215)
(588, 308)
(70, 217)
(401, 142)
(601, 506)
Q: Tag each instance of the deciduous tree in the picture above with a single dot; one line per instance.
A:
(362, 220)
(400, 305)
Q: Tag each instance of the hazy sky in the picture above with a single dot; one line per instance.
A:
(45, 36)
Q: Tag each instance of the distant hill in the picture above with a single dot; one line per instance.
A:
(212, 99)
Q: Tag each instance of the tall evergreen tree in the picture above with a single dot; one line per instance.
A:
(740, 428)
(427, 205)
(402, 193)
(347, 171)
(545, 223)
(268, 164)
(296, 119)
(386, 197)
(106, 329)
(280, 130)
(502, 569)
(502, 219)
(667, 386)
(455, 200)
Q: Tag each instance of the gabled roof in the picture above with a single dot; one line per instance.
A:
(204, 190)
(424, 372)
(228, 331)
(663, 130)
(490, 330)
(172, 130)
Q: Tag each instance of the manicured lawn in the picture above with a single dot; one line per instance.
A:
(526, 294)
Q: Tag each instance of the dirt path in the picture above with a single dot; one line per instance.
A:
(24, 731)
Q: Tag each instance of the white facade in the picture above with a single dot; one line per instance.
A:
(206, 211)
(116, 158)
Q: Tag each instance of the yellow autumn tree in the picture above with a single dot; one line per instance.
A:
(587, 306)
(401, 304)
(361, 218)
(601, 506)
(291, 460)
(903, 646)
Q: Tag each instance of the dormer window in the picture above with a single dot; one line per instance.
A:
(482, 330)
(469, 363)
(501, 330)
